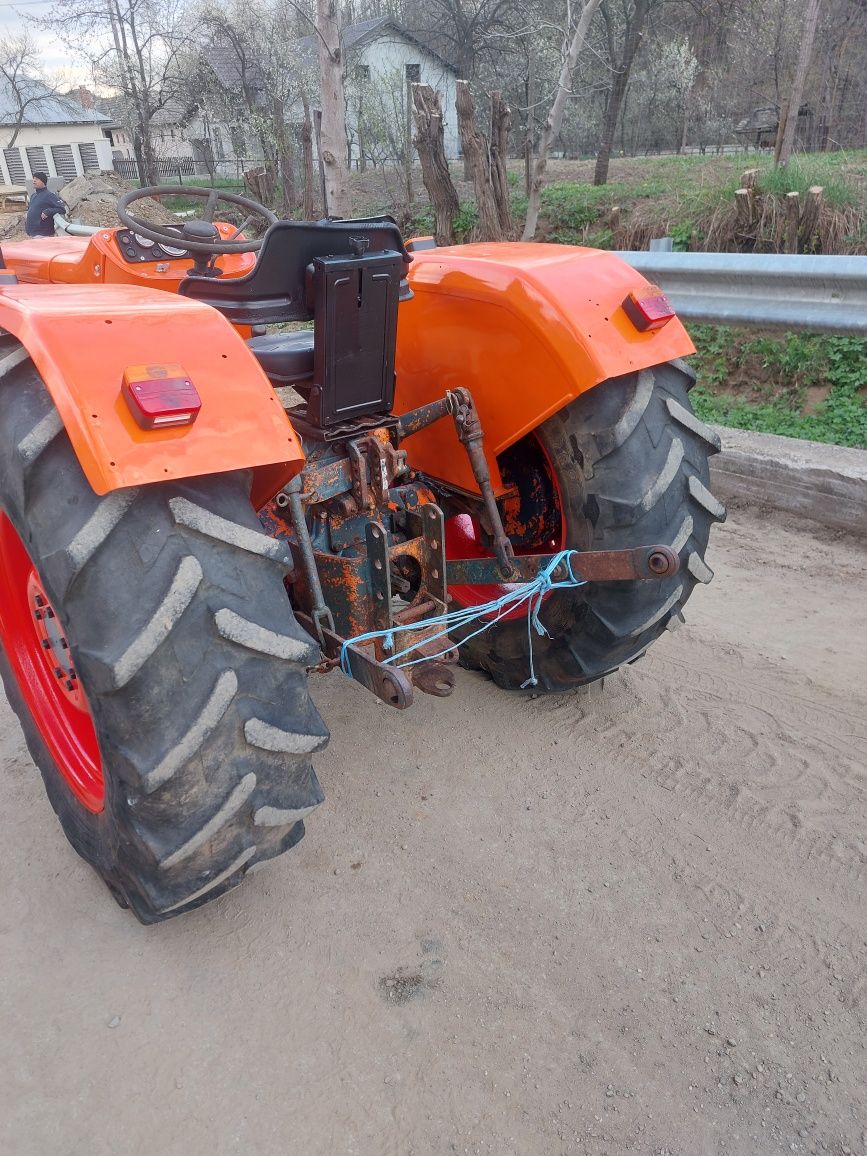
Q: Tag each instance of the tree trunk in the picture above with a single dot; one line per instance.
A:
(808, 37)
(501, 120)
(531, 120)
(151, 175)
(477, 157)
(333, 131)
(634, 29)
(285, 157)
(554, 119)
(309, 206)
(407, 146)
(430, 143)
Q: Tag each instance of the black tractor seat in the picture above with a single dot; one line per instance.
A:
(347, 277)
(287, 358)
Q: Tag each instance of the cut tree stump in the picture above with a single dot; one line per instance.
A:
(430, 144)
(793, 216)
(810, 218)
(478, 159)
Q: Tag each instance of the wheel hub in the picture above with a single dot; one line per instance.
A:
(37, 648)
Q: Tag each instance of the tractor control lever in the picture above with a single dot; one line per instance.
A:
(469, 429)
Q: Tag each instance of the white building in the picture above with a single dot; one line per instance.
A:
(55, 134)
(382, 60)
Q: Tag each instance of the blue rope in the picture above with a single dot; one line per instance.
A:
(531, 594)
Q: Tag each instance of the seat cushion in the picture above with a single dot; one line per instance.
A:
(285, 357)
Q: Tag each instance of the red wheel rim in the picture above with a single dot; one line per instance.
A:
(34, 640)
(527, 469)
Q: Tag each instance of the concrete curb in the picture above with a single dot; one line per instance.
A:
(822, 482)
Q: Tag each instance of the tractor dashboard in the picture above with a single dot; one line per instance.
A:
(134, 248)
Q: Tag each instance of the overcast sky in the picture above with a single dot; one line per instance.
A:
(55, 56)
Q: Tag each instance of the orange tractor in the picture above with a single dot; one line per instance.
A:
(482, 454)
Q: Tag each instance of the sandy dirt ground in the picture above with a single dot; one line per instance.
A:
(627, 923)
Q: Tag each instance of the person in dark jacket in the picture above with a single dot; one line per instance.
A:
(41, 208)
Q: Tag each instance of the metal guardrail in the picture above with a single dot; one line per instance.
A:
(773, 291)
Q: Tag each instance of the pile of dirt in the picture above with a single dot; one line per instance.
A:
(12, 227)
(92, 200)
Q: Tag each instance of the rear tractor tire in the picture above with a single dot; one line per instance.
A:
(151, 655)
(627, 465)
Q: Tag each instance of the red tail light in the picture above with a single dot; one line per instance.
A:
(648, 308)
(160, 396)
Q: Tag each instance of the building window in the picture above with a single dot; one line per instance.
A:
(413, 73)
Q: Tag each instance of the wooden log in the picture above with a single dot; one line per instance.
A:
(501, 120)
(793, 216)
(808, 241)
(750, 179)
(614, 220)
(478, 159)
(430, 146)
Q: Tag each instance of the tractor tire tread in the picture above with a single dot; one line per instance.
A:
(156, 586)
(632, 464)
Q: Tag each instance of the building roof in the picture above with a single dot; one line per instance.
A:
(222, 59)
(43, 106)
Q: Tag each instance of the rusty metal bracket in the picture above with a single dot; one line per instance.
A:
(387, 682)
(641, 564)
(433, 532)
(469, 430)
(380, 574)
(321, 615)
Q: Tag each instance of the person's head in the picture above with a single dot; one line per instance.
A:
(40, 180)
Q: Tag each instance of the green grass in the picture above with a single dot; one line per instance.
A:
(764, 383)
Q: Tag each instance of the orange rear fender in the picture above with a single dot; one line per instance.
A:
(526, 328)
(83, 338)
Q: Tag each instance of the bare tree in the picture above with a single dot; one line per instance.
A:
(333, 131)
(134, 47)
(634, 18)
(793, 105)
(554, 119)
(254, 80)
(19, 68)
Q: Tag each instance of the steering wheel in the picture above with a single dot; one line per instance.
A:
(199, 235)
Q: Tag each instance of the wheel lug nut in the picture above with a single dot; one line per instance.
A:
(69, 684)
(64, 644)
(45, 644)
(58, 672)
(49, 613)
(39, 600)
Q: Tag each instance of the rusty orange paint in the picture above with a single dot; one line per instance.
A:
(526, 328)
(83, 337)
